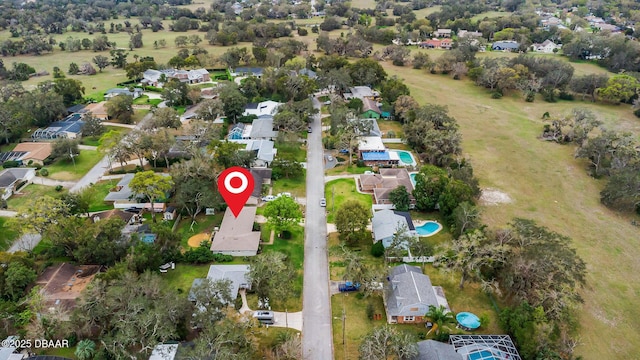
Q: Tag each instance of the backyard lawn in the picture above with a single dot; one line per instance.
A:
(338, 191)
(7, 234)
(346, 169)
(65, 170)
(182, 276)
(95, 140)
(204, 224)
(32, 191)
(547, 184)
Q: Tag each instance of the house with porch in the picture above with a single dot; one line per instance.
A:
(408, 293)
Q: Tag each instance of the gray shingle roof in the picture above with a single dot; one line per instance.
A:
(435, 350)
(385, 223)
(409, 292)
(262, 128)
(236, 273)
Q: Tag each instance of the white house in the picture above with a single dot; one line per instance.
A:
(263, 108)
(10, 178)
(134, 93)
(546, 47)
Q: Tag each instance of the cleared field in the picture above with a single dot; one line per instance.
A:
(423, 13)
(363, 4)
(551, 187)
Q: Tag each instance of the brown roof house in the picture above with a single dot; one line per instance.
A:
(236, 236)
(382, 184)
(62, 285)
(129, 218)
(408, 293)
(37, 152)
(98, 110)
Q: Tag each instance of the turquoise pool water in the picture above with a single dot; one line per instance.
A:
(468, 320)
(429, 228)
(413, 179)
(405, 157)
(481, 355)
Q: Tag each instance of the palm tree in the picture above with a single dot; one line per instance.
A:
(440, 317)
(85, 350)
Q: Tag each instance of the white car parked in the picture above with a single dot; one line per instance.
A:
(268, 198)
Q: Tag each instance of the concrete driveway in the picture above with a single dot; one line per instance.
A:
(317, 339)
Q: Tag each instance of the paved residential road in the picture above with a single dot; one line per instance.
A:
(96, 172)
(317, 341)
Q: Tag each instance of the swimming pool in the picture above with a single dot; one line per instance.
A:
(406, 158)
(468, 320)
(413, 178)
(481, 355)
(428, 228)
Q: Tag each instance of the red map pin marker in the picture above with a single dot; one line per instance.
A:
(235, 185)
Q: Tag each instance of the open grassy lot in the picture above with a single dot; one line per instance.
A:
(338, 191)
(292, 149)
(363, 4)
(7, 234)
(95, 140)
(548, 185)
(296, 186)
(294, 249)
(346, 169)
(423, 13)
(390, 125)
(65, 170)
(32, 191)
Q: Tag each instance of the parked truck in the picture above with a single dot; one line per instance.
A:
(348, 286)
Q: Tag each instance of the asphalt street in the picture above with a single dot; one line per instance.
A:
(317, 341)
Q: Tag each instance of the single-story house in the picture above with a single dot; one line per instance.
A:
(430, 44)
(134, 93)
(129, 218)
(154, 77)
(164, 352)
(98, 110)
(386, 223)
(170, 213)
(370, 109)
(546, 47)
(34, 152)
(446, 44)
(62, 284)
(268, 107)
(308, 73)
(10, 178)
(408, 293)
(123, 197)
(76, 109)
(69, 128)
(381, 185)
(370, 144)
(361, 92)
(465, 33)
(236, 236)
(261, 176)
(265, 152)
(238, 274)
(436, 350)
(371, 127)
(246, 71)
(262, 128)
(506, 45)
(443, 33)
(380, 158)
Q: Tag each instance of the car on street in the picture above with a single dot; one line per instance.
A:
(323, 202)
(309, 129)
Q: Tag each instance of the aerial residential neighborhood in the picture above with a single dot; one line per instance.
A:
(444, 180)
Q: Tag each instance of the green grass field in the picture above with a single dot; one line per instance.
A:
(32, 191)
(339, 191)
(549, 185)
(294, 249)
(65, 169)
(204, 224)
(182, 277)
(296, 186)
(100, 191)
(7, 234)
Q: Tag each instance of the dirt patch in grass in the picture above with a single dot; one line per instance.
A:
(491, 196)
(195, 240)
